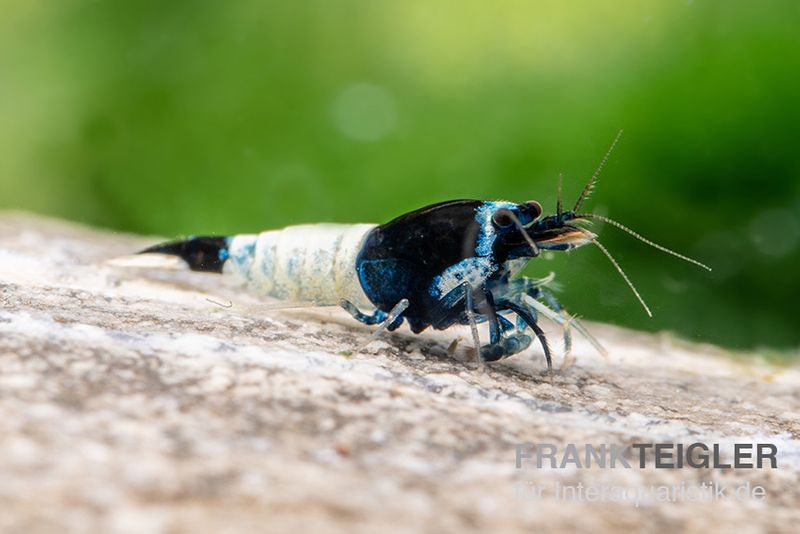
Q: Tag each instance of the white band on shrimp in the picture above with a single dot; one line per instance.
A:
(312, 262)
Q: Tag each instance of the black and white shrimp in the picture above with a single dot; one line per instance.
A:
(451, 263)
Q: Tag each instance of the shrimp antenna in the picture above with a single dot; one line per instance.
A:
(619, 270)
(593, 179)
(643, 239)
(559, 207)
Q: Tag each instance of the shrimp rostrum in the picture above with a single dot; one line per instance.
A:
(451, 263)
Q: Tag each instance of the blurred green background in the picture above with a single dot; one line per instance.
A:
(221, 117)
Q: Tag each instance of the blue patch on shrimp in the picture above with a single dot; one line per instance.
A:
(291, 267)
(486, 231)
(241, 252)
(473, 271)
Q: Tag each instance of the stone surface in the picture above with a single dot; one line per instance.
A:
(130, 402)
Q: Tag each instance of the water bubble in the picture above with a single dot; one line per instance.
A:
(775, 232)
(365, 112)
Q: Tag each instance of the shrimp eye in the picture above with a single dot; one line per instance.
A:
(534, 208)
(503, 218)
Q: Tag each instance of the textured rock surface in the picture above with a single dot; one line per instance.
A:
(129, 402)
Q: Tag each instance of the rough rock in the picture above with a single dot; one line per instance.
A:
(164, 401)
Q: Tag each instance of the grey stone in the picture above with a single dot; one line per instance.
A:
(130, 402)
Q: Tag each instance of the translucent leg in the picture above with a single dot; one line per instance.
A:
(391, 317)
(565, 321)
(530, 290)
(473, 325)
(552, 301)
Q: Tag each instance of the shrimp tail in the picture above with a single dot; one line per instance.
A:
(201, 253)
